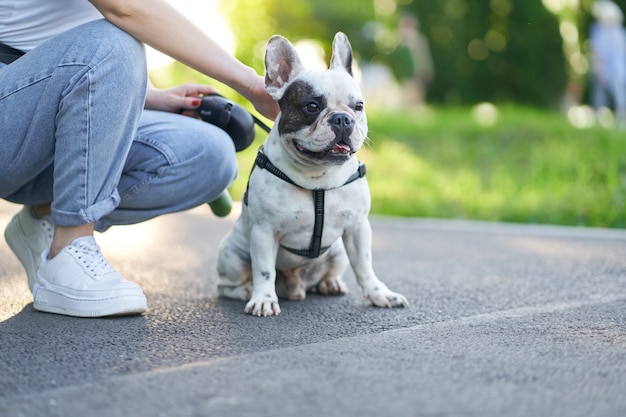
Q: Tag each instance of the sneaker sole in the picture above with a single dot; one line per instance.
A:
(50, 301)
(21, 249)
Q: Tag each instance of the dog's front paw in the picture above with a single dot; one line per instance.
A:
(381, 296)
(265, 305)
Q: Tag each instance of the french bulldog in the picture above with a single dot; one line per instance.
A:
(305, 214)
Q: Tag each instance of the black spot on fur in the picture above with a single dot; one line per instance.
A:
(265, 275)
(295, 112)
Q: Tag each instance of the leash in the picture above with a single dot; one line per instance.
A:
(259, 123)
(239, 124)
(315, 248)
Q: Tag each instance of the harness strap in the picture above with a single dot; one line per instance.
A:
(315, 248)
(263, 162)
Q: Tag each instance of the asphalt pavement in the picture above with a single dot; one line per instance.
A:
(505, 320)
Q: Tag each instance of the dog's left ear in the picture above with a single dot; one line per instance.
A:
(282, 65)
(342, 53)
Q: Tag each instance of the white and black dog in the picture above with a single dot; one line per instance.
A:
(305, 213)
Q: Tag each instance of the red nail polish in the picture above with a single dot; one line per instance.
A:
(195, 102)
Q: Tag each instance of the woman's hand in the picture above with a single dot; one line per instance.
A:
(186, 98)
(262, 101)
(176, 99)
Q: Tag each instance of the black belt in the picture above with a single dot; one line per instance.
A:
(8, 54)
(315, 248)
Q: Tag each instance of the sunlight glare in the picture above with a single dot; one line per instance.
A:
(569, 32)
(555, 6)
(581, 117)
(119, 241)
(311, 54)
(605, 117)
(485, 114)
(206, 15)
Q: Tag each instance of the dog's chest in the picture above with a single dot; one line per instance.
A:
(291, 211)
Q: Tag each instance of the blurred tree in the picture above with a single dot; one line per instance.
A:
(496, 50)
(491, 50)
(254, 21)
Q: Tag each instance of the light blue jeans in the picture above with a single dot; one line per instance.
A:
(73, 133)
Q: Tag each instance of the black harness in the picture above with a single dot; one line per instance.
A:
(315, 248)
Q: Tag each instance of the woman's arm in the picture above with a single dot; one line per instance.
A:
(158, 24)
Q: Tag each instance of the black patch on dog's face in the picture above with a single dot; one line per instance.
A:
(300, 107)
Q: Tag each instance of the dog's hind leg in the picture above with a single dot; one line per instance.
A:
(289, 285)
(331, 282)
(235, 274)
(239, 292)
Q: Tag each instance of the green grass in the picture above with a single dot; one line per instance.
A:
(530, 167)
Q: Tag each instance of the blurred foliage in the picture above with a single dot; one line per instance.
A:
(253, 22)
(531, 52)
(496, 50)
(529, 166)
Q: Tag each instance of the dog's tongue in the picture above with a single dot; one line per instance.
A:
(341, 147)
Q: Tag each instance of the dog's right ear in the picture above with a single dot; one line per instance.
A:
(282, 65)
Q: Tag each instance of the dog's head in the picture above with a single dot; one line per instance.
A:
(322, 120)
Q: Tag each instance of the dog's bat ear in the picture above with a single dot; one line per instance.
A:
(282, 65)
(342, 53)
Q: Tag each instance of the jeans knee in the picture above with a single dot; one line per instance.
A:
(177, 161)
(125, 47)
(114, 52)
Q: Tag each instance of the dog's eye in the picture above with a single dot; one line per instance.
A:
(359, 106)
(312, 107)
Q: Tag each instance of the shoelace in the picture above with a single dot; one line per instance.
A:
(89, 254)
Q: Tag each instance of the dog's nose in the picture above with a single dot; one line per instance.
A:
(341, 121)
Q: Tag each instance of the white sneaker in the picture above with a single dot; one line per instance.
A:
(28, 238)
(80, 282)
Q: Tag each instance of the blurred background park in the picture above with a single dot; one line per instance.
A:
(477, 109)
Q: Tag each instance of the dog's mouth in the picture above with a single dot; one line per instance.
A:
(337, 150)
